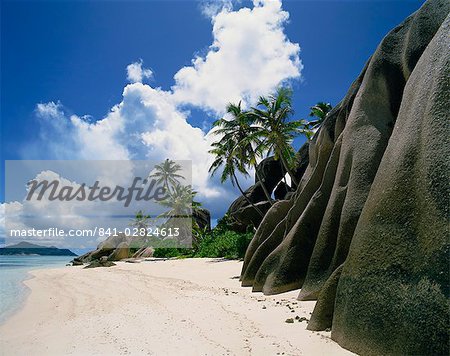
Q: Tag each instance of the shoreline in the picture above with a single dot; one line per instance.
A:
(19, 304)
(188, 306)
(13, 276)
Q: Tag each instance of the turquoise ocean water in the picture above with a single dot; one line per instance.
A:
(13, 271)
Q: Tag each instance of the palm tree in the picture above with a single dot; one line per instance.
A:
(320, 111)
(181, 204)
(240, 132)
(166, 174)
(140, 238)
(141, 221)
(226, 156)
(276, 131)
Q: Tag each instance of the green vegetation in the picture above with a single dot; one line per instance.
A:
(245, 136)
(226, 156)
(167, 174)
(180, 201)
(320, 112)
(227, 244)
(276, 132)
(141, 221)
(234, 151)
(219, 242)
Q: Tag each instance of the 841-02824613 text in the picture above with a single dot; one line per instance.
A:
(97, 231)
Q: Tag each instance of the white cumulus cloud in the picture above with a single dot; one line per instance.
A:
(211, 8)
(136, 73)
(250, 56)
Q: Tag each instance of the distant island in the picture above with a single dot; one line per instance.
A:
(26, 248)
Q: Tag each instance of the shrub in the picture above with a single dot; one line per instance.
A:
(228, 244)
(216, 243)
(219, 242)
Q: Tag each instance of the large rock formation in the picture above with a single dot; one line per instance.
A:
(243, 214)
(302, 161)
(114, 248)
(367, 230)
(271, 172)
(202, 217)
(121, 246)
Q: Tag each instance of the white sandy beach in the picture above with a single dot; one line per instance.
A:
(173, 307)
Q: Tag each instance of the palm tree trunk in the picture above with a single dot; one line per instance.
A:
(266, 192)
(284, 174)
(245, 196)
(166, 185)
(286, 166)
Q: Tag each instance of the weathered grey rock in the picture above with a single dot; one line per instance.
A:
(102, 262)
(121, 252)
(281, 191)
(387, 72)
(243, 213)
(144, 252)
(105, 248)
(270, 171)
(203, 218)
(392, 296)
(94, 255)
(311, 199)
(302, 159)
(265, 240)
(322, 318)
(367, 229)
(255, 194)
(247, 216)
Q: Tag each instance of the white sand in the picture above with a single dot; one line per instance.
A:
(176, 307)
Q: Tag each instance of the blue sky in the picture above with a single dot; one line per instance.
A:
(74, 54)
